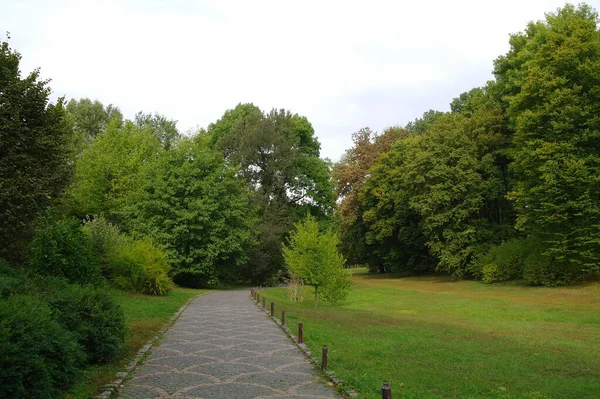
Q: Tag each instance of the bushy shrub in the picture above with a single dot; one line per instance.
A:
(504, 261)
(540, 269)
(104, 238)
(38, 357)
(141, 266)
(95, 319)
(61, 249)
(10, 281)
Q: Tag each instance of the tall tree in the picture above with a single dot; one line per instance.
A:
(420, 125)
(90, 118)
(550, 79)
(164, 129)
(278, 156)
(34, 152)
(350, 174)
(108, 171)
(196, 207)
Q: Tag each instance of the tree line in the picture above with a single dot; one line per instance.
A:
(503, 186)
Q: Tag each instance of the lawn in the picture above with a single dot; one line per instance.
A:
(431, 337)
(145, 316)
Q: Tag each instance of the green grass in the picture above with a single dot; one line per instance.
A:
(145, 316)
(431, 337)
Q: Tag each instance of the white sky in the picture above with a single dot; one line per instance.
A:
(342, 64)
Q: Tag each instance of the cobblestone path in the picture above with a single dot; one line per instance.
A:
(224, 347)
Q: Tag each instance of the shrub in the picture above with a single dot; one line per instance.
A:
(540, 269)
(38, 357)
(10, 281)
(61, 249)
(95, 319)
(504, 261)
(104, 238)
(141, 266)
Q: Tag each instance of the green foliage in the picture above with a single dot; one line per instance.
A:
(108, 171)
(38, 357)
(10, 280)
(164, 129)
(549, 80)
(90, 119)
(141, 266)
(105, 238)
(35, 152)
(422, 124)
(96, 320)
(314, 257)
(504, 261)
(61, 249)
(196, 206)
(278, 156)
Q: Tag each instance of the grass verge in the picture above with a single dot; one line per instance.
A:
(431, 337)
(145, 315)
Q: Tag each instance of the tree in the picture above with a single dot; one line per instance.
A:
(278, 156)
(107, 171)
(90, 118)
(164, 129)
(420, 125)
(312, 255)
(350, 174)
(550, 79)
(196, 206)
(34, 152)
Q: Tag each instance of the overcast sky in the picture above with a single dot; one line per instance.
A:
(342, 64)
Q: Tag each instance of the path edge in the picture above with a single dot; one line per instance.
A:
(113, 387)
(329, 375)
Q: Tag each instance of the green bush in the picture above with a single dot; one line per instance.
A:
(141, 266)
(10, 281)
(504, 261)
(104, 238)
(61, 249)
(540, 269)
(95, 319)
(38, 357)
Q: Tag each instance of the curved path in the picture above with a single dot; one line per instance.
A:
(224, 347)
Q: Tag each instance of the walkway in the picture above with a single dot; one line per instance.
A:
(224, 347)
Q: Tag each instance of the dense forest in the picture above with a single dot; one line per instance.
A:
(506, 185)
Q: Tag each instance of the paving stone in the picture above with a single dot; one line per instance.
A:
(224, 346)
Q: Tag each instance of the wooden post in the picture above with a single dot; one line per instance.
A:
(386, 391)
(300, 333)
(324, 358)
(283, 317)
(264, 302)
(257, 298)
(272, 309)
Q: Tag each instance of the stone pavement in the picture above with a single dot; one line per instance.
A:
(224, 347)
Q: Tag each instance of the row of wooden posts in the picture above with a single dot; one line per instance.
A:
(386, 390)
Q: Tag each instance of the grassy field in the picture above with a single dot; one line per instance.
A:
(145, 316)
(431, 337)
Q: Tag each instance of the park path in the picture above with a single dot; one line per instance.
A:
(224, 347)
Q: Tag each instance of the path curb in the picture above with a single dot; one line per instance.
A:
(113, 387)
(330, 375)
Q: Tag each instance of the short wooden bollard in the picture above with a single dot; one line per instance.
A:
(386, 391)
(272, 309)
(324, 358)
(264, 302)
(300, 333)
(257, 298)
(283, 317)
